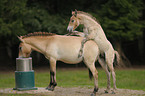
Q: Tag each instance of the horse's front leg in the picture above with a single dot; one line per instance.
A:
(53, 83)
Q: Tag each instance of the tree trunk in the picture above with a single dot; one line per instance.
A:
(143, 17)
(124, 61)
(144, 45)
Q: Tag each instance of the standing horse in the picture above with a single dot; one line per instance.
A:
(93, 31)
(62, 48)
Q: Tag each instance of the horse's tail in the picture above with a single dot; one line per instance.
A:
(90, 74)
(117, 58)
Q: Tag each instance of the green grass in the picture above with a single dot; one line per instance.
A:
(127, 79)
(25, 94)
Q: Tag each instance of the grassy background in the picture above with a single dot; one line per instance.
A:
(127, 79)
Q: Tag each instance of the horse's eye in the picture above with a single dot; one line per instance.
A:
(72, 20)
(20, 48)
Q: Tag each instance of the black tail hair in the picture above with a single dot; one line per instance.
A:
(90, 74)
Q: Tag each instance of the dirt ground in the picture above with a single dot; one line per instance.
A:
(76, 91)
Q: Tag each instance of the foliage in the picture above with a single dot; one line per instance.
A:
(121, 19)
(17, 18)
(11, 17)
(11, 20)
(40, 20)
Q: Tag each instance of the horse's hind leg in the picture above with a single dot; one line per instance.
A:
(94, 72)
(105, 67)
(109, 60)
(95, 75)
(53, 83)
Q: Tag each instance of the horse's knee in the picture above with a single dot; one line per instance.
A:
(95, 74)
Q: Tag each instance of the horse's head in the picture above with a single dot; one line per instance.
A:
(74, 22)
(24, 49)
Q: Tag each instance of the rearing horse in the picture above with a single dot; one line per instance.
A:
(62, 48)
(93, 31)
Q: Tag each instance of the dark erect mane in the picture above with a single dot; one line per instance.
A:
(38, 34)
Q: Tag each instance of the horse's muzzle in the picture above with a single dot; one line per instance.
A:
(70, 28)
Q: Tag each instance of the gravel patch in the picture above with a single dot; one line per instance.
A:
(75, 91)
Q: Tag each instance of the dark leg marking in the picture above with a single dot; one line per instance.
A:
(82, 46)
(94, 92)
(52, 84)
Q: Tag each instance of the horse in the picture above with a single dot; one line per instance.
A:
(93, 31)
(60, 48)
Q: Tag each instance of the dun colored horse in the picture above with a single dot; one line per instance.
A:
(93, 31)
(62, 48)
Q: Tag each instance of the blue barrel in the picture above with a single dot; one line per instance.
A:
(24, 75)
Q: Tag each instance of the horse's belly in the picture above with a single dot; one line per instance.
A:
(70, 57)
(71, 61)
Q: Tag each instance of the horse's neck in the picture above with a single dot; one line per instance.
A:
(36, 44)
(93, 26)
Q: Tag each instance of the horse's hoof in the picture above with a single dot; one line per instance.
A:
(106, 91)
(50, 89)
(93, 94)
(113, 92)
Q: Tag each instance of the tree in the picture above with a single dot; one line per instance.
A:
(11, 24)
(11, 15)
(121, 21)
(19, 17)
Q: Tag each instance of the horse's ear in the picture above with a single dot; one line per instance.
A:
(74, 13)
(20, 38)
